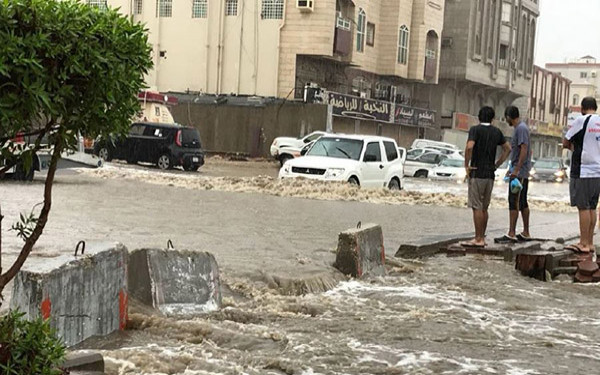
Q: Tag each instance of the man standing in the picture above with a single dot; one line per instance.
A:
(520, 159)
(584, 140)
(480, 165)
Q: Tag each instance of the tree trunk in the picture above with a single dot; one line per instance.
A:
(41, 223)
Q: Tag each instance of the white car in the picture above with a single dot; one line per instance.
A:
(420, 164)
(368, 161)
(286, 148)
(449, 169)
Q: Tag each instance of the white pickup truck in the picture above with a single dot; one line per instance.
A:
(286, 148)
(368, 161)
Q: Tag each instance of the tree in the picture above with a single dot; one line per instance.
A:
(66, 69)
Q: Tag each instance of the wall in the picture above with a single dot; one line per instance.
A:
(249, 129)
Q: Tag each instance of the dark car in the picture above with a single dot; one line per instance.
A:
(166, 145)
(549, 170)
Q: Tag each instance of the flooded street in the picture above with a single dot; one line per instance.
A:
(440, 315)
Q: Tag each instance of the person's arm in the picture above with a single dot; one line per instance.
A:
(567, 144)
(468, 156)
(505, 154)
(522, 158)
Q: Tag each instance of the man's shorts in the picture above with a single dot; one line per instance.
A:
(520, 197)
(480, 193)
(584, 193)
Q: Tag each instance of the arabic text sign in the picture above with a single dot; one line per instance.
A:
(414, 116)
(360, 108)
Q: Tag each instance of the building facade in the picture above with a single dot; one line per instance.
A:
(487, 52)
(584, 73)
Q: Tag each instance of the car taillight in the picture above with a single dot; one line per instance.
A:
(178, 138)
(19, 138)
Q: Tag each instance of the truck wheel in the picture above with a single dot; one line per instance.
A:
(394, 185)
(353, 181)
(421, 174)
(285, 157)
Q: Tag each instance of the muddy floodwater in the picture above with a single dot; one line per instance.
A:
(470, 315)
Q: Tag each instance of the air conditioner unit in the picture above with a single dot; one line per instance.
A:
(305, 5)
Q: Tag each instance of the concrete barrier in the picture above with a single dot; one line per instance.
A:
(83, 296)
(360, 252)
(84, 361)
(175, 281)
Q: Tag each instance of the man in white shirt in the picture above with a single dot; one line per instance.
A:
(584, 140)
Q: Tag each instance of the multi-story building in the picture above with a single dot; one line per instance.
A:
(584, 73)
(487, 51)
(548, 109)
(373, 49)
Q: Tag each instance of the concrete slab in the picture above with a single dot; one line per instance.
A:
(84, 361)
(82, 296)
(175, 281)
(360, 252)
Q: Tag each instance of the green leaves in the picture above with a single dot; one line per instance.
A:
(69, 62)
(25, 226)
(29, 347)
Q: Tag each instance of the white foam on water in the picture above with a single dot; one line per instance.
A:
(189, 309)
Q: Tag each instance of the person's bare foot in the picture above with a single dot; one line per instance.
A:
(473, 243)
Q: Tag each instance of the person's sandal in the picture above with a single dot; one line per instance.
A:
(505, 239)
(523, 238)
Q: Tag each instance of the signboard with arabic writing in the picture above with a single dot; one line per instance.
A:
(360, 108)
(414, 116)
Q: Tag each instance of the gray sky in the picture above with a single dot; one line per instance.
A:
(563, 27)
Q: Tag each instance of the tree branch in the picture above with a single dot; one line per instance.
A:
(41, 223)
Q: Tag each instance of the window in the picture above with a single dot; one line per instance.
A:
(100, 4)
(272, 9)
(403, 45)
(390, 151)
(575, 99)
(200, 9)
(343, 23)
(583, 75)
(360, 30)
(165, 8)
(373, 152)
(136, 129)
(430, 158)
(506, 8)
(137, 6)
(231, 7)
(503, 56)
(370, 34)
(430, 54)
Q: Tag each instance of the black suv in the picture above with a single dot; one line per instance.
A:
(166, 145)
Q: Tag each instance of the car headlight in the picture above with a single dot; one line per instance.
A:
(559, 173)
(334, 172)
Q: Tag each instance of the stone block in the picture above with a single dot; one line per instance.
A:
(175, 281)
(360, 252)
(82, 296)
(84, 361)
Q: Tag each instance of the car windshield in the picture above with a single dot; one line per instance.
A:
(547, 164)
(342, 148)
(452, 163)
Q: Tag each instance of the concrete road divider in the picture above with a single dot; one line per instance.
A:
(360, 251)
(175, 281)
(83, 296)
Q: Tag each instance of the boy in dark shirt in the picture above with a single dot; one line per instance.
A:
(480, 165)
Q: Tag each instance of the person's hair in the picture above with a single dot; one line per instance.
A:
(512, 112)
(589, 103)
(486, 114)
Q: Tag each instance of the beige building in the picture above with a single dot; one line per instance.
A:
(275, 47)
(584, 73)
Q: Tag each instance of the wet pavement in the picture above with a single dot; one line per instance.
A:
(471, 315)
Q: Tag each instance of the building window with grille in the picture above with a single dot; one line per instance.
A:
(575, 99)
(137, 6)
(403, 45)
(231, 7)
(200, 9)
(361, 29)
(583, 75)
(100, 4)
(272, 9)
(370, 34)
(503, 62)
(165, 8)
